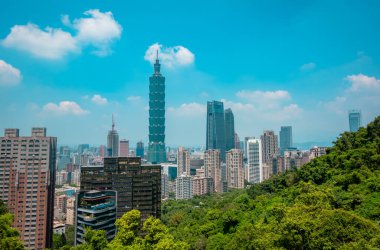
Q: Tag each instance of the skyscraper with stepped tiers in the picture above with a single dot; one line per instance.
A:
(156, 147)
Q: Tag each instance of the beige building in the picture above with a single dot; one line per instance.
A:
(213, 169)
(202, 185)
(269, 146)
(27, 179)
(183, 160)
(70, 211)
(235, 170)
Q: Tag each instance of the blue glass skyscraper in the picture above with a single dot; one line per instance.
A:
(156, 147)
(215, 135)
(354, 117)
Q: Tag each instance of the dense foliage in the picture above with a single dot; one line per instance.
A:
(331, 203)
(8, 235)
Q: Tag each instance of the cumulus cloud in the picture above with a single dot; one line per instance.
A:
(64, 108)
(99, 100)
(188, 110)
(49, 43)
(171, 57)
(308, 66)
(98, 30)
(360, 82)
(269, 99)
(9, 75)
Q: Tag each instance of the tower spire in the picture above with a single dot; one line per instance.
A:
(157, 55)
(113, 123)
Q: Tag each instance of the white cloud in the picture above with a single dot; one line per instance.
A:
(9, 75)
(268, 99)
(65, 108)
(171, 57)
(133, 98)
(99, 29)
(99, 100)
(360, 81)
(308, 66)
(49, 43)
(188, 110)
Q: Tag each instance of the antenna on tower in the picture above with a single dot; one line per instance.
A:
(113, 123)
(156, 54)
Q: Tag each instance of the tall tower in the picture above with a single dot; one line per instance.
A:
(156, 147)
(269, 146)
(354, 118)
(229, 129)
(113, 141)
(183, 161)
(254, 155)
(286, 138)
(215, 135)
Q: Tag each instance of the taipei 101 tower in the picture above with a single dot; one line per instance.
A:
(156, 148)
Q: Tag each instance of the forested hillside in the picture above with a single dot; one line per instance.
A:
(332, 202)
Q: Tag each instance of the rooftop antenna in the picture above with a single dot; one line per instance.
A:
(113, 123)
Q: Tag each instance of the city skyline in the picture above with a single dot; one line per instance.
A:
(285, 67)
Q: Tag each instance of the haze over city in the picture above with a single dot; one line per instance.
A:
(274, 64)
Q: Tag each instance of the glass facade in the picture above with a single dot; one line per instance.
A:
(354, 117)
(215, 135)
(286, 138)
(230, 129)
(156, 147)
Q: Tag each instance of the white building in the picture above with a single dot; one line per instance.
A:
(184, 187)
(254, 156)
(235, 170)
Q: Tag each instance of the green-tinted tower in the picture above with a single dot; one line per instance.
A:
(156, 148)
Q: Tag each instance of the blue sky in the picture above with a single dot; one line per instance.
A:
(68, 65)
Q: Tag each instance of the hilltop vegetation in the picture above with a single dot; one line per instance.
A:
(333, 202)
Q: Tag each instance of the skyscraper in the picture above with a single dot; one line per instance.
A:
(184, 187)
(229, 129)
(113, 141)
(254, 156)
(124, 148)
(27, 170)
(354, 118)
(140, 149)
(286, 138)
(156, 147)
(215, 134)
(269, 143)
(235, 171)
(213, 168)
(183, 161)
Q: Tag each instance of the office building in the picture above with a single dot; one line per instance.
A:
(183, 160)
(184, 187)
(137, 186)
(213, 168)
(286, 138)
(95, 209)
(235, 170)
(83, 148)
(27, 180)
(215, 134)
(245, 145)
(354, 118)
(254, 157)
(269, 143)
(229, 129)
(124, 148)
(156, 147)
(102, 150)
(113, 141)
(140, 149)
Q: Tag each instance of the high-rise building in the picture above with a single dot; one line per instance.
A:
(215, 134)
(27, 170)
(235, 170)
(137, 186)
(202, 185)
(213, 168)
(95, 209)
(70, 211)
(140, 149)
(113, 141)
(354, 118)
(156, 147)
(237, 142)
(229, 129)
(245, 145)
(124, 148)
(82, 148)
(269, 143)
(254, 156)
(184, 187)
(183, 160)
(286, 138)
(102, 150)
